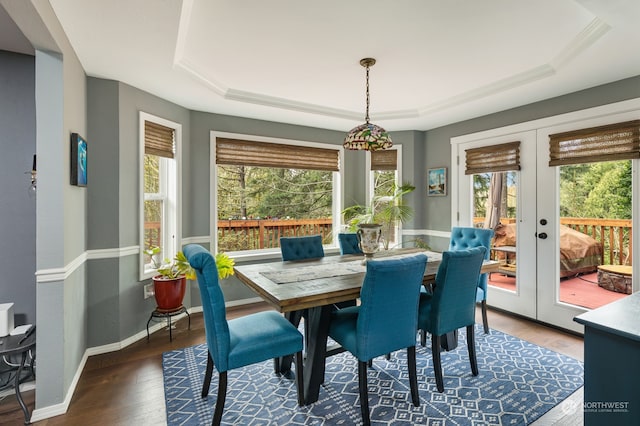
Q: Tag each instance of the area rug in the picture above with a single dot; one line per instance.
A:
(518, 383)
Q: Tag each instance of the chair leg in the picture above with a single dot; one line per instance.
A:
(364, 394)
(299, 378)
(471, 346)
(207, 376)
(222, 395)
(413, 375)
(485, 322)
(388, 356)
(423, 338)
(437, 364)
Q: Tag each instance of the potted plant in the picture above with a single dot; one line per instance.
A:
(385, 211)
(170, 284)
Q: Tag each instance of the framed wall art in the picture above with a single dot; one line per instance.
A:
(78, 160)
(437, 182)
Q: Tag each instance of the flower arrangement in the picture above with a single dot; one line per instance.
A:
(172, 269)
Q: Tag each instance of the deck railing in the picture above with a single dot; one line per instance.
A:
(615, 235)
(253, 234)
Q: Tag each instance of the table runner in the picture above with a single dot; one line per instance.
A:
(314, 272)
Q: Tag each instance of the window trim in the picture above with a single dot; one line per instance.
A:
(251, 255)
(174, 192)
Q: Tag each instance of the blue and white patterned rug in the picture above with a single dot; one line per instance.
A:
(518, 383)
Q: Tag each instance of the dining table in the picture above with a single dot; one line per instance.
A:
(315, 286)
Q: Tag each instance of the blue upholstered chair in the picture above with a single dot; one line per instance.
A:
(452, 304)
(239, 342)
(300, 248)
(349, 243)
(385, 321)
(464, 238)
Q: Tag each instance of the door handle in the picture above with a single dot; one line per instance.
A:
(542, 235)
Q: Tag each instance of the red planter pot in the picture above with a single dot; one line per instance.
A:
(169, 292)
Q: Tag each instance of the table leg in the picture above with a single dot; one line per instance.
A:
(25, 410)
(319, 319)
(449, 341)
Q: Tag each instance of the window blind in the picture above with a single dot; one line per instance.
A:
(494, 158)
(384, 160)
(265, 154)
(158, 140)
(620, 141)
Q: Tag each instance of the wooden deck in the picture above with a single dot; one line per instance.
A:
(582, 290)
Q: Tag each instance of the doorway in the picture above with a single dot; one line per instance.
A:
(550, 251)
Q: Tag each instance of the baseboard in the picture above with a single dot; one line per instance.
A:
(61, 408)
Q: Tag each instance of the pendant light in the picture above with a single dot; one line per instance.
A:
(367, 136)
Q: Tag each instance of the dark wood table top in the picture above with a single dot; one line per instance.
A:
(295, 285)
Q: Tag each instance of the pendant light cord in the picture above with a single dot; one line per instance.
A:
(367, 86)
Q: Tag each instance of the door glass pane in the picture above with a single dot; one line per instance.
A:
(495, 198)
(595, 233)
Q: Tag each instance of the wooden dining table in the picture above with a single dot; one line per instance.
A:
(316, 285)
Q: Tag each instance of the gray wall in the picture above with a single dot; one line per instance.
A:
(60, 209)
(116, 307)
(17, 209)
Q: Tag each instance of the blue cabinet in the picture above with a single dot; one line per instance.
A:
(612, 363)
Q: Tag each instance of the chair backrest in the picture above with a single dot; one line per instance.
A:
(299, 248)
(349, 243)
(215, 314)
(388, 316)
(463, 238)
(454, 297)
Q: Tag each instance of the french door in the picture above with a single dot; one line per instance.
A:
(534, 230)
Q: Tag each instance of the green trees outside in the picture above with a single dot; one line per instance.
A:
(260, 192)
(596, 190)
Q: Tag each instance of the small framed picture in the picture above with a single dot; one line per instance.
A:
(78, 160)
(437, 182)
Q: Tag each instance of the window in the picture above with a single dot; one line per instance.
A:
(266, 188)
(495, 183)
(159, 200)
(384, 177)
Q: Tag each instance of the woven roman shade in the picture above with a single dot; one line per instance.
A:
(264, 154)
(620, 141)
(494, 158)
(384, 160)
(158, 140)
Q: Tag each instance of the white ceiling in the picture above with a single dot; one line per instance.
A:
(297, 62)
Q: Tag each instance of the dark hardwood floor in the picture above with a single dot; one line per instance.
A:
(125, 387)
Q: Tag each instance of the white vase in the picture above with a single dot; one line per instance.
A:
(369, 236)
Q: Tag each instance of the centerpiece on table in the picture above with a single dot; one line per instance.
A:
(377, 221)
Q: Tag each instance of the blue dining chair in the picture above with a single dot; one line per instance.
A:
(385, 321)
(349, 243)
(300, 248)
(452, 304)
(242, 341)
(463, 238)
